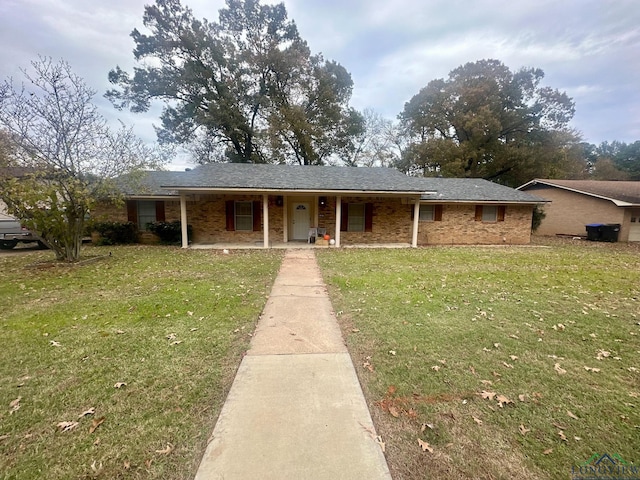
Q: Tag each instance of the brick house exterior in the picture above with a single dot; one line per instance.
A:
(573, 204)
(232, 203)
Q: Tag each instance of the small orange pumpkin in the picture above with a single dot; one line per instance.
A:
(327, 237)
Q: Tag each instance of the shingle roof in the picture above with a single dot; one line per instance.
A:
(142, 184)
(474, 189)
(292, 178)
(619, 192)
(295, 177)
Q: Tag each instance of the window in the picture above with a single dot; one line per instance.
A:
(356, 217)
(430, 213)
(143, 212)
(490, 213)
(146, 213)
(244, 216)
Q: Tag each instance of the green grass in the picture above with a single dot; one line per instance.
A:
(171, 324)
(431, 329)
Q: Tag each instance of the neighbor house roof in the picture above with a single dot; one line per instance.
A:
(621, 193)
(298, 178)
(469, 190)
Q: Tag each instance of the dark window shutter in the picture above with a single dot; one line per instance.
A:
(501, 211)
(344, 221)
(257, 209)
(437, 213)
(160, 216)
(412, 210)
(231, 212)
(478, 213)
(132, 211)
(368, 217)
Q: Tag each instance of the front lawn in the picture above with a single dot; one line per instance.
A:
(118, 368)
(507, 362)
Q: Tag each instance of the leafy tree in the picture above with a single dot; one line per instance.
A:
(246, 86)
(487, 121)
(616, 161)
(62, 155)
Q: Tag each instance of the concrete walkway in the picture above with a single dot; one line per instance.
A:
(295, 409)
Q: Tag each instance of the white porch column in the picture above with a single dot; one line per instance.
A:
(183, 220)
(416, 218)
(265, 219)
(338, 219)
(285, 218)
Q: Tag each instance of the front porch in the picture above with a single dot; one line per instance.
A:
(288, 245)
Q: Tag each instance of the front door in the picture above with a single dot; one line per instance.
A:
(301, 221)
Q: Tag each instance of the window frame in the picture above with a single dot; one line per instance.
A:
(246, 217)
(355, 219)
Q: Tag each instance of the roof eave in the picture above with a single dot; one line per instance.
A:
(279, 191)
(617, 203)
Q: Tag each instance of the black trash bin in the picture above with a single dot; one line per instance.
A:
(594, 232)
(610, 232)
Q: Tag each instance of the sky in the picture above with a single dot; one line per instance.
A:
(589, 49)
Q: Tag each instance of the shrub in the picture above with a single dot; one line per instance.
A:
(169, 232)
(115, 233)
(538, 216)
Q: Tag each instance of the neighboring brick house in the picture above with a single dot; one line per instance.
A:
(230, 203)
(577, 203)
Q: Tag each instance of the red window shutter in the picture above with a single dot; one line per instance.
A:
(501, 211)
(368, 217)
(478, 213)
(344, 220)
(231, 212)
(257, 209)
(437, 213)
(132, 211)
(160, 216)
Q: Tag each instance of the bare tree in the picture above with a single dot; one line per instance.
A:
(66, 154)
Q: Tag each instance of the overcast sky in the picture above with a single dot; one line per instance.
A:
(588, 48)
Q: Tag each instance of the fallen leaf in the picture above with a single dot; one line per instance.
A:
(14, 405)
(548, 451)
(572, 415)
(514, 337)
(472, 370)
(591, 369)
(523, 430)
(559, 369)
(381, 443)
(53, 343)
(96, 468)
(502, 400)
(602, 354)
(91, 411)
(394, 411)
(391, 390)
(120, 332)
(355, 330)
(176, 342)
(171, 336)
(167, 450)
(392, 352)
(496, 374)
(522, 397)
(97, 442)
(95, 424)
(487, 395)
(558, 426)
(477, 420)
(425, 446)
(562, 436)
(425, 426)
(127, 465)
(577, 439)
(368, 366)
(506, 365)
(513, 357)
(119, 385)
(435, 367)
(147, 463)
(67, 426)
(190, 314)
(486, 382)
(496, 345)
(485, 349)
